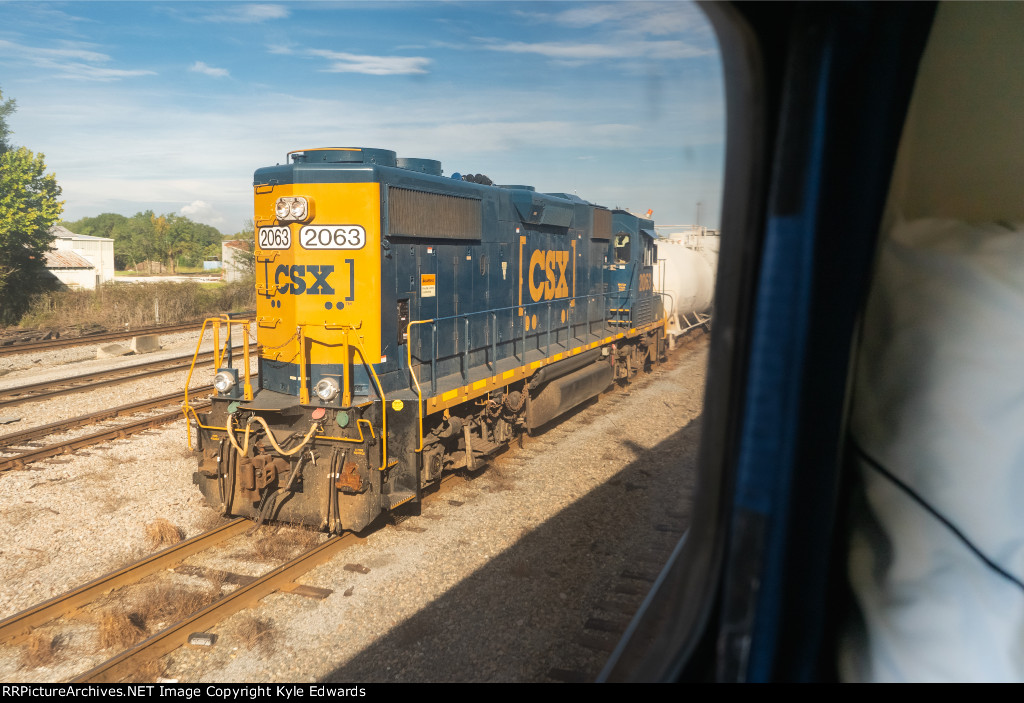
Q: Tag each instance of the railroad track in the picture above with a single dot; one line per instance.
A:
(76, 384)
(17, 628)
(252, 589)
(25, 347)
(167, 640)
(20, 444)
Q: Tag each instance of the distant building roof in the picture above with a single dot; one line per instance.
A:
(236, 244)
(66, 260)
(62, 232)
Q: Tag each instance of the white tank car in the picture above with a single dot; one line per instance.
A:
(687, 262)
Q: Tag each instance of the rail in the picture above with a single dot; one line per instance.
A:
(176, 635)
(77, 384)
(21, 624)
(62, 342)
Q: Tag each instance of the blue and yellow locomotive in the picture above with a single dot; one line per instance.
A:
(410, 324)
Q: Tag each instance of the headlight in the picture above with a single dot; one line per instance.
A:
(293, 209)
(326, 389)
(224, 381)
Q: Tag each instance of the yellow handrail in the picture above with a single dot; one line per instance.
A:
(416, 381)
(383, 405)
(303, 390)
(346, 379)
(218, 358)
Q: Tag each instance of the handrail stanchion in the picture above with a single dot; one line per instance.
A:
(245, 345)
(415, 380)
(433, 359)
(383, 402)
(216, 343)
(303, 385)
(346, 378)
(494, 341)
(547, 345)
(465, 354)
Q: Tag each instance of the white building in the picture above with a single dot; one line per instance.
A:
(80, 261)
(232, 254)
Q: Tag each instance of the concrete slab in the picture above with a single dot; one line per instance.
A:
(146, 343)
(108, 351)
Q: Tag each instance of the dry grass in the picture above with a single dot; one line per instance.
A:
(40, 649)
(119, 630)
(255, 632)
(161, 533)
(217, 579)
(154, 607)
(279, 545)
(162, 604)
(305, 538)
(500, 477)
(118, 304)
(210, 519)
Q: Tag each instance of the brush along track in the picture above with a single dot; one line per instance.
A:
(60, 343)
(77, 603)
(84, 603)
(11, 442)
(19, 626)
(170, 638)
(99, 379)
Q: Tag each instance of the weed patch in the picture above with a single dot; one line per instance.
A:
(119, 630)
(161, 533)
(255, 632)
(40, 649)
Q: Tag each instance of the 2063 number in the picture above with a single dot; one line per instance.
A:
(275, 238)
(332, 237)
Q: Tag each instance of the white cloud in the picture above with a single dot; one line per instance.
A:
(35, 53)
(249, 14)
(200, 67)
(76, 62)
(658, 18)
(202, 211)
(564, 51)
(372, 65)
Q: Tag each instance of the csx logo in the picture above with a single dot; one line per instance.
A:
(292, 279)
(548, 275)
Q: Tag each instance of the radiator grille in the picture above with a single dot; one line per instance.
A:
(602, 224)
(414, 213)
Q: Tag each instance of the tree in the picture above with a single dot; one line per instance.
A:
(6, 110)
(28, 209)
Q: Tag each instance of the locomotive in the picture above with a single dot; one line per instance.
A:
(411, 324)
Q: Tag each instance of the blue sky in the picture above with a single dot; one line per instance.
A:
(172, 106)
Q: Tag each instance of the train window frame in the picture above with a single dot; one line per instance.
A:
(623, 247)
(716, 610)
